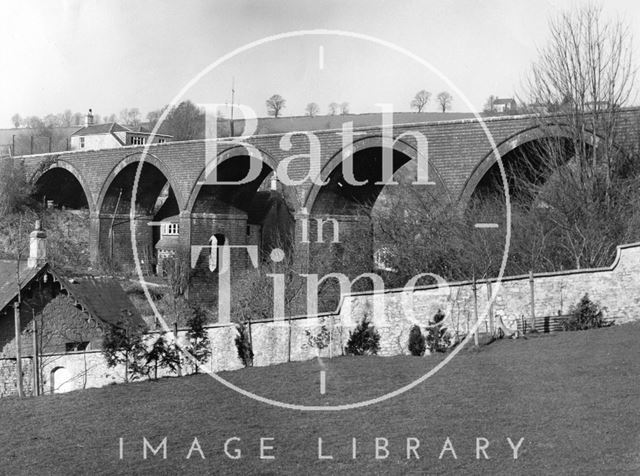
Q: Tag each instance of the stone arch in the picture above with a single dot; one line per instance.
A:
(400, 146)
(61, 169)
(511, 144)
(157, 198)
(133, 158)
(245, 213)
(236, 152)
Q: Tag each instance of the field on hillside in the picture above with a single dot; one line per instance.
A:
(574, 398)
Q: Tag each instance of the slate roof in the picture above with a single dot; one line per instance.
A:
(8, 286)
(503, 101)
(107, 128)
(102, 298)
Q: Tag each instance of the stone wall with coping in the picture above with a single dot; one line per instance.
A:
(617, 288)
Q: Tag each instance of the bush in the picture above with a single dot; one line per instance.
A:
(438, 338)
(122, 344)
(586, 315)
(198, 338)
(417, 344)
(163, 354)
(243, 345)
(363, 340)
(319, 340)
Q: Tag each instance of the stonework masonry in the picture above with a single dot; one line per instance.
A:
(460, 153)
(617, 288)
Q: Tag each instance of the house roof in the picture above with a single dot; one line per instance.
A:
(107, 128)
(8, 285)
(168, 243)
(503, 101)
(102, 298)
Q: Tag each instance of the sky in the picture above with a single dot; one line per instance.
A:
(116, 54)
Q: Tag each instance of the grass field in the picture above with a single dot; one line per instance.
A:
(573, 397)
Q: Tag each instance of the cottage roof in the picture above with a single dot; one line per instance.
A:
(10, 271)
(503, 101)
(101, 297)
(107, 128)
(168, 243)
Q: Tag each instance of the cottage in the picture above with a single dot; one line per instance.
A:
(70, 313)
(112, 134)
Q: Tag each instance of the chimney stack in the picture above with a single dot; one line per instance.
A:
(37, 247)
(88, 120)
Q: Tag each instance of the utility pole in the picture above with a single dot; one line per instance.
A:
(16, 320)
(233, 99)
(36, 359)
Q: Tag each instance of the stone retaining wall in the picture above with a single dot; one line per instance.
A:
(617, 288)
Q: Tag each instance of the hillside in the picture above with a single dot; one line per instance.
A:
(573, 397)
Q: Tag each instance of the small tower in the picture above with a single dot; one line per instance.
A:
(37, 247)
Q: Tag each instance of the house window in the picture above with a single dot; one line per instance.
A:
(137, 140)
(81, 142)
(170, 229)
(75, 346)
(161, 141)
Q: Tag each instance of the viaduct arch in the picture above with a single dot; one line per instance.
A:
(172, 177)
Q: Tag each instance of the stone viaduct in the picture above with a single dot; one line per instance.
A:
(460, 154)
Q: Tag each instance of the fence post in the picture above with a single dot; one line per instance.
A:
(533, 306)
(491, 317)
(289, 340)
(475, 311)
(175, 336)
(251, 342)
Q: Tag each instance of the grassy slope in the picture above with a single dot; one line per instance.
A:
(575, 397)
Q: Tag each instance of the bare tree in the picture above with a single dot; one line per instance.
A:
(65, 118)
(275, 104)
(153, 116)
(488, 105)
(334, 107)
(130, 116)
(587, 71)
(444, 100)
(185, 122)
(420, 100)
(312, 109)
(344, 108)
(583, 187)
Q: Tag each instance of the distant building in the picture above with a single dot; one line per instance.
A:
(111, 135)
(504, 106)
